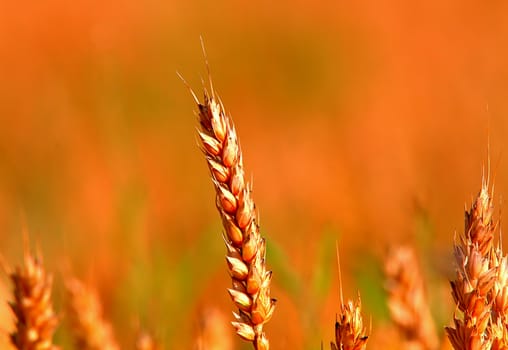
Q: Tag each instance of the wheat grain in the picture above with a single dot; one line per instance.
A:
(245, 247)
(36, 321)
(407, 301)
(89, 329)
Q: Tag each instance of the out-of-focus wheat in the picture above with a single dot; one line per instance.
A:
(36, 321)
(213, 332)
(245, 247)
(407, 300)
(89, 329)
(145, 341)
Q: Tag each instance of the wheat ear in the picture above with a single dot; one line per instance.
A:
(407, 301)
(498, 326)
(350, 333)
(89, 329)
(245, 247)
(473, 287)
(213, 332)
(36, 321)
(349, 328)
(498, 330)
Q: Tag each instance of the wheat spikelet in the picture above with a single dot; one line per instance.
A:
(498, 330)
(407, 301)
(245, 247)
(474, 289)
(349, 328)
(89, 329)
(36, 321)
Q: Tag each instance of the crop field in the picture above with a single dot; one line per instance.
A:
(252, 175)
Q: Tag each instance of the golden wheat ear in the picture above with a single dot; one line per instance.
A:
(36, 320)
(407, 300)
(88, 327)
(350, 333)
(245, 256)
(480, 289)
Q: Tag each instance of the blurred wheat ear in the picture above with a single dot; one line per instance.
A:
(88, 326)
(480, 289)
(36, 321)
(407, 300)
(245, 256)
(213, 332)
(145, 341)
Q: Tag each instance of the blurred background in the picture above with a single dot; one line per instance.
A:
(364, 123)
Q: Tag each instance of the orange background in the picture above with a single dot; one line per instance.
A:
(361, 122)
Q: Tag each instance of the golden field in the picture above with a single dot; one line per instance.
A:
(361, 123)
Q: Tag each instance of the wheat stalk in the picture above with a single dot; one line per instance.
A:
(480, 289)
(407, 301)
(36, 321)
(89, 329)
(245, 247)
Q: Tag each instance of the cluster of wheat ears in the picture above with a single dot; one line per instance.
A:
(480, 287)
